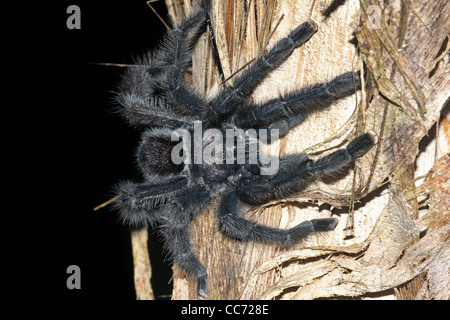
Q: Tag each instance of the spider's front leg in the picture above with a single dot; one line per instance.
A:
(227, 100)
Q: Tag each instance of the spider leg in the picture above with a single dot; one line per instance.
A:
(295, 170)
(227, 100)
(138, 99)
(286, 112)
(140, 204)
(148, 111)
(176, 57)
(175, 231)
(155, 92)
(172, 204)
(234, 225)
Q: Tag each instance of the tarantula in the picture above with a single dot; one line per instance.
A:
(157, 97)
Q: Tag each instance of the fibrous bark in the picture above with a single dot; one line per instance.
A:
(393, 237)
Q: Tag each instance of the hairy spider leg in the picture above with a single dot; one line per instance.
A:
(139, 204)
(177, 242)
(141, 93)
(171, 204)
(139, 104)
(227, 100)
(176, 55)
(295, 171)
(175, 231)
(287, 112)
(234, 225)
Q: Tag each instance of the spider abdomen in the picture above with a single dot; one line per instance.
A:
(154, 155)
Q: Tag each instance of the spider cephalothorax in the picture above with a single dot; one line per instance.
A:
(188, 160)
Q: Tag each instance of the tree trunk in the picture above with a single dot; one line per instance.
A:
(392, 240)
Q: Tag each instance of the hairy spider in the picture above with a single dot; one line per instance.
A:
(156, 96)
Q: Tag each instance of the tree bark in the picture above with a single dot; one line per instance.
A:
(392, 240)
(142, 266)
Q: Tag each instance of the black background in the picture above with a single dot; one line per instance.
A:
(66, 148)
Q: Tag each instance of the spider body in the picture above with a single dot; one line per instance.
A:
(187, 159)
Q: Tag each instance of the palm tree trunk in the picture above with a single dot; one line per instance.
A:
(392, 238)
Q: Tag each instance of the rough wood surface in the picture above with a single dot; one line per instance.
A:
(142, 266)
(392, 240)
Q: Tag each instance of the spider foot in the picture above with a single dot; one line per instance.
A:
(325, 224)
(203, 286)
(362, 144)
(303, 32)
(307, 227)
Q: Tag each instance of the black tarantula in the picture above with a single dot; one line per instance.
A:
(156, 96)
